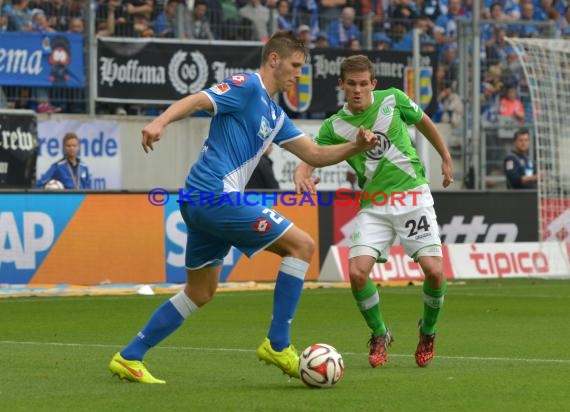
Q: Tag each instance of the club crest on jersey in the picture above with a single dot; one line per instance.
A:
(262, 225)
(238, 79)
(426, 91)
(298, 97)
(220, 88)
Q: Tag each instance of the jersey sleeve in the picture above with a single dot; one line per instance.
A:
(325, 135)
(232, 94)
(410, 112)
(288, 131)
(512, 171)
(46, 177)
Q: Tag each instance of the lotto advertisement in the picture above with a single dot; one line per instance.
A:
(484, 236)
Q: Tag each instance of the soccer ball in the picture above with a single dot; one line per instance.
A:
(54, 185)
(320, 366)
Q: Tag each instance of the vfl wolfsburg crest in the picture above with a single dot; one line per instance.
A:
(298, 97)
(426, 92)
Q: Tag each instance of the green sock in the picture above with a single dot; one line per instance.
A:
(433, 301)
(368, 302)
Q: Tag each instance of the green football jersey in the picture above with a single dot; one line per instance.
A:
(393, 165)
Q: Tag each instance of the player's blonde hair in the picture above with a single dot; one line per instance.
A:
(284, 43)
(69, 136)
(356, 63)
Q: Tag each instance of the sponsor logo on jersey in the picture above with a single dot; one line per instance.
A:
(262, 225)
(220, 88)
(264, 128)
(298, 97)
(382, 147)
(509, 165)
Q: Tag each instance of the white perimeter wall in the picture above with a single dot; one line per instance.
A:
(168, 165)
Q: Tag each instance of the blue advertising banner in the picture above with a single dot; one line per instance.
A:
(41, 59)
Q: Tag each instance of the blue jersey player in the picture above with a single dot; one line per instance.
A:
(246, 121)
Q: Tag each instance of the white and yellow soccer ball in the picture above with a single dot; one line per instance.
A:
(54, 185)
(320, 366)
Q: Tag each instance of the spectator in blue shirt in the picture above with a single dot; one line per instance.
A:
(445, 30)
(510, 8)
(20, 16)
(342, 30)
(70, 171)
(306, 12)
(165, 23)
(407, 42)
(527, 15)
(284, 21)
(381, 41)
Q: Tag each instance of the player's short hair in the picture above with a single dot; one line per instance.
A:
(284, 43)
(520, 132)
(69, 136)
(356, 63)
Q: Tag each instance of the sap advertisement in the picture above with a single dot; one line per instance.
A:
(111, 238)
(99, 149)
(29, 228)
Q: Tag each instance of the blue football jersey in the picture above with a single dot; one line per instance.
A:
(245, 122)
(72, 177)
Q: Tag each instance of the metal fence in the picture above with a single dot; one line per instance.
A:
(500, 73)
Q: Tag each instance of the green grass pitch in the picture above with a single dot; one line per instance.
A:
(501, 346)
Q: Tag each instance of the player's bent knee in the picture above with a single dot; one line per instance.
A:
(358, 279)
(359, 268)
(200, 296)
(358, 274)
(305, 248)
(432, 266)
(295, 243)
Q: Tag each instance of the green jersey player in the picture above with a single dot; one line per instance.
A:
(395, 198)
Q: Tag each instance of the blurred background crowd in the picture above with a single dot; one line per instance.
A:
(355, 25)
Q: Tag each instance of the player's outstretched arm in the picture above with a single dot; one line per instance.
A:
(153, 131)
(430, 131)
(319, 156)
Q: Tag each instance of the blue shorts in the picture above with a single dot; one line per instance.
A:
(213, 227)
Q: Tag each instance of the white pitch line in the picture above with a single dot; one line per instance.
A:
(503, 295)
(190, 348)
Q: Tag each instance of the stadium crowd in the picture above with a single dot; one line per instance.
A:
(321, 23)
